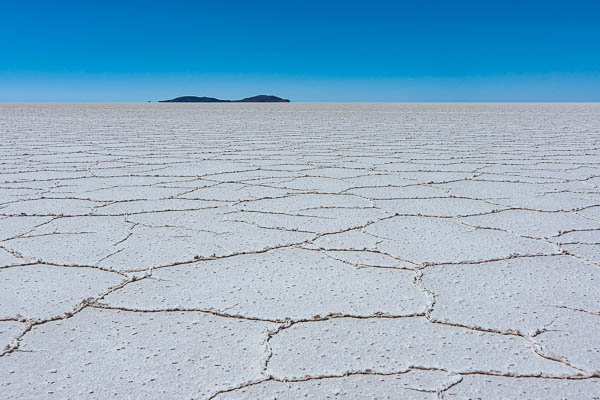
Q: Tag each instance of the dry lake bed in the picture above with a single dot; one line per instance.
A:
(283, 251)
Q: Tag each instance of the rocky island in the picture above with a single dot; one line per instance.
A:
(261, 98)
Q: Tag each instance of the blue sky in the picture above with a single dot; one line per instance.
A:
(304, 50)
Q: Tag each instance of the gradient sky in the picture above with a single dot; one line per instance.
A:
(303, 50)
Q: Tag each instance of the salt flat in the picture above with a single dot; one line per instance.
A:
(262, 251)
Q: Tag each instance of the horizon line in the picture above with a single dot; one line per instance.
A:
(324, 102)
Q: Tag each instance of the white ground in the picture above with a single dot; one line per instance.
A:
(261, 251)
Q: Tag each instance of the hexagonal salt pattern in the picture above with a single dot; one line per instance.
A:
(243, 251)
(122, 354)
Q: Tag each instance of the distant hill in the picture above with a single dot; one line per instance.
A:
(193, 99)
(261, 98)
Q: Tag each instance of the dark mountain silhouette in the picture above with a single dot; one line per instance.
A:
(261, 98)
(193, 99)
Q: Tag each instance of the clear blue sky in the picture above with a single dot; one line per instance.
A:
(368, 50)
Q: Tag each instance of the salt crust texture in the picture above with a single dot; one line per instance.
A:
(245, 251)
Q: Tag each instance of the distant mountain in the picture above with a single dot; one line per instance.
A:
(261, 98)
(193, 99)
